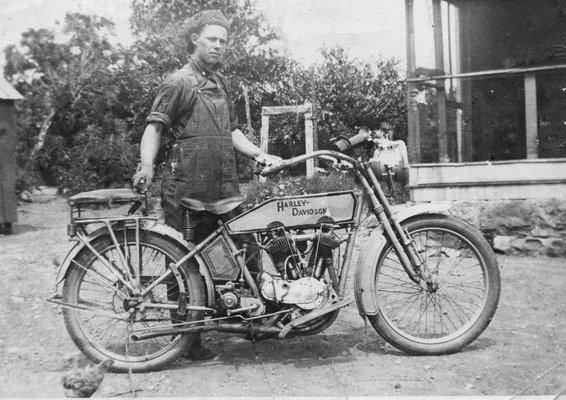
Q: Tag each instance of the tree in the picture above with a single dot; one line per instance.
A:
(67, 88)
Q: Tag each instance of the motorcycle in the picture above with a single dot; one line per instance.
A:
(135, 291)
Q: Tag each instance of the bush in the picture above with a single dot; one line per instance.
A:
(97, 161)
(256, 192)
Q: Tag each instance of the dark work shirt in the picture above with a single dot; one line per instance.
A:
(196, 104)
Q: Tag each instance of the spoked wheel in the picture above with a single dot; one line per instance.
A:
(458, 299)
(107, 312)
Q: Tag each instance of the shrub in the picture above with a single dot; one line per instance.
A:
(256, 192)
(97, 161)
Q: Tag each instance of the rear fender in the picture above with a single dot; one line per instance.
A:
(148, 225)
(369, 256)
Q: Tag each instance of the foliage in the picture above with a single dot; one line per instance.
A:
(351, 93)
(347, 94)
(97, 160)
(68, 87)
(256, 192)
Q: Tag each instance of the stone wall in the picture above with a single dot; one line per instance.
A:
(527, 227)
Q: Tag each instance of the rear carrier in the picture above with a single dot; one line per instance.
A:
(307, 211)
(104, 206)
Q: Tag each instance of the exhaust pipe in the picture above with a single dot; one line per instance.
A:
(231, 328)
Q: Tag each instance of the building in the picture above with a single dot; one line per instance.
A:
(8, 214)
(488, 119)
(487, 115)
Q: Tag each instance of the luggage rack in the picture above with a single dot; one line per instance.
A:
(109, 198)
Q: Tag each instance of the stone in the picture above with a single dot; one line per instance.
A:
(516, 223)
(502, 244)
(529, 227)
(542, 232)
(533, 245)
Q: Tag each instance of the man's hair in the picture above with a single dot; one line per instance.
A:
(199, 21)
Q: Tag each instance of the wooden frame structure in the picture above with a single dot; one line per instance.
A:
(310, 134)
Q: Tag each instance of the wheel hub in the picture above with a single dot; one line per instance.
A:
(136, 307)
(130, 303)
(429, 284)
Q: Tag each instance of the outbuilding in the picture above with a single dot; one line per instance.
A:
(8, 212)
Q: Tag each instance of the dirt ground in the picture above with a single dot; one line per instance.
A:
(521, 352)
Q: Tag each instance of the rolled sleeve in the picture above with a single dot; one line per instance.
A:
(166, 106)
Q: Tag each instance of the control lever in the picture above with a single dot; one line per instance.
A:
(140, 188)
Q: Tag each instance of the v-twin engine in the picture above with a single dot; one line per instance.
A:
(302, 261)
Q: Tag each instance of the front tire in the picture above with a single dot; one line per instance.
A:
(444, 319)
(89, 283)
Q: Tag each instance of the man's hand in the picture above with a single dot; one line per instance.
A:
(145, 171)
(269, 160)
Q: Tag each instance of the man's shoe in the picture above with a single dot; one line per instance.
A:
(199, 353)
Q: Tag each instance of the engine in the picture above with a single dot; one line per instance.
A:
(301, 261)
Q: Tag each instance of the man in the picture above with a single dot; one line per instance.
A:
(194, 103)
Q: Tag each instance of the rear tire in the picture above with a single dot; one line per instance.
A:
(101, 337)
(452, 316)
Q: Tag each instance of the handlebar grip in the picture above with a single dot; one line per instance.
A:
(268, 171)
(140, 187)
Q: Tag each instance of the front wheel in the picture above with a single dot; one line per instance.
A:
(456, 304)
(102, 317)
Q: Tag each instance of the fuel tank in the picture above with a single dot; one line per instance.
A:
(304, 211)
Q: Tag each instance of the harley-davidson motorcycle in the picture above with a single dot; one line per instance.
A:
(134, 291)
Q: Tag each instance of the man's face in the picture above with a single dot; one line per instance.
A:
(211, 44)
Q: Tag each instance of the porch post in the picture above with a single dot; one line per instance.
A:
(531, 127)
(413, 118)
(441, 91)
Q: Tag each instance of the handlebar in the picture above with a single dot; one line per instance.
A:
(268, 171)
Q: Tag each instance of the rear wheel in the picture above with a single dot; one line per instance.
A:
(103, 328)
(455, 306)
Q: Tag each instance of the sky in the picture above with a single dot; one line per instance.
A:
(367, 28)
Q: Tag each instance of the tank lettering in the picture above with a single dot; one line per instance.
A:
(283, 204)
(309, 211)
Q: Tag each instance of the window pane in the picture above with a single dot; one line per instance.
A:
(551, 105)
(497, 124)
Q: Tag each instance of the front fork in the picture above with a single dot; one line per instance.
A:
(402, 242)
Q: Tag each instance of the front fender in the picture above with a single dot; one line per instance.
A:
(148, 225)
(364, 279)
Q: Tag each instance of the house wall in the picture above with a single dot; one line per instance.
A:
(512, 33)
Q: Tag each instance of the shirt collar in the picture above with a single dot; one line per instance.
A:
(200, 68)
